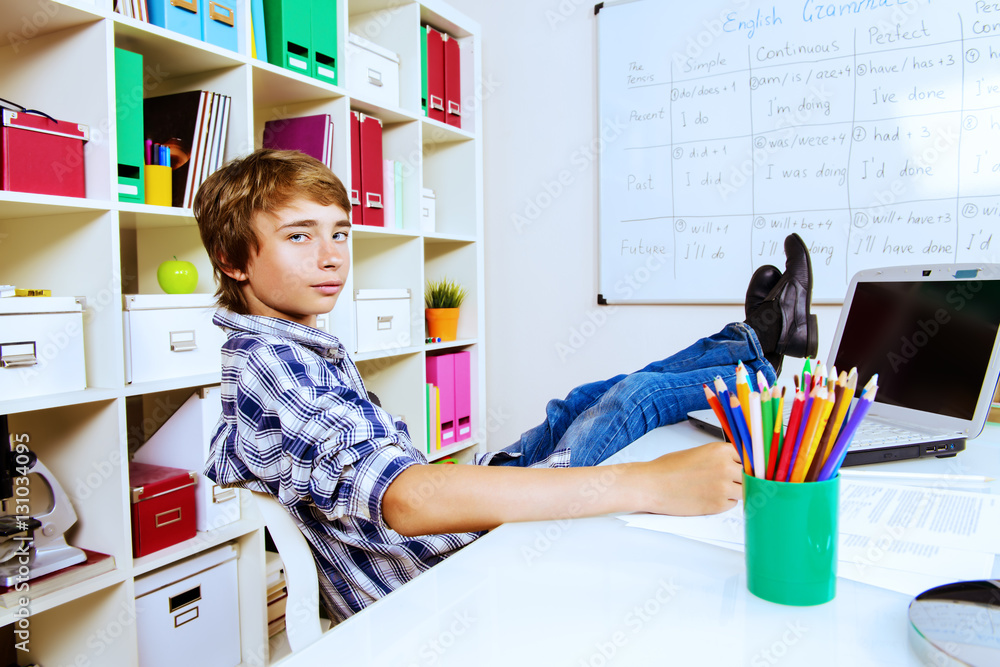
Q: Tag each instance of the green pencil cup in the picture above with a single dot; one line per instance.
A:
(791, 540)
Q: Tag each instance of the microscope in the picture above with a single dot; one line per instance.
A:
(32, 542)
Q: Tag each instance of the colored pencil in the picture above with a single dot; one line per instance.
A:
(803, 423)
(772, 458)
(839, 450)
(713, 402)
(743, 390)
(788, 443)
(814, 451)
(740, 426)
(757, 436)
(831, 429)
(724, 400)
(806, 451)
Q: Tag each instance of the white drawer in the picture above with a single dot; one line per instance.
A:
(170, 335)
(372, 72)
(41, 346)
(382, 319)
(183, 442)
(189, 613)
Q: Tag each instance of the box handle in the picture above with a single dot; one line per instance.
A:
(187, 616)
(384, 323)
(221, 495)
(224, 16)
(183, 341)
(374, 77)
(190, 5)
(355, 198)
(184, 599)
(373, 200)
(437, 103)
(19, 357)
(166, 522)
(454, 108)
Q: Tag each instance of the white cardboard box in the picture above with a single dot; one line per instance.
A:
(183, 441)
(428, 204)
(372, 71)
(189, 613)
(170, 335)
(382, 319)
(41, 346)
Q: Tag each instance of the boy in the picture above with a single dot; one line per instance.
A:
(298, 423)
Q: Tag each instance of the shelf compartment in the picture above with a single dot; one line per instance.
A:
(394, 380)
(274, 86)
(168, 54)
(200, 542)
(336, 107)
(457, 261)
(393, 26)
(22, 20)
(449, 169)
(96, 629)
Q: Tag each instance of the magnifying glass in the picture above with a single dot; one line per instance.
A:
(957, 624)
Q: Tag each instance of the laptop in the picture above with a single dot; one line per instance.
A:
(931, 334)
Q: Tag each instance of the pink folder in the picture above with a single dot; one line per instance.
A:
(441, 373)
(463, 396)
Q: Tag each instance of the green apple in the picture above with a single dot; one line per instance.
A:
(177, 276)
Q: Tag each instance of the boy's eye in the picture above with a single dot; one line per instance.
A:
(297, 237)
(340, 236)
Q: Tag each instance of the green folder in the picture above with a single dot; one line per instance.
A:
(398, 170)
(128, 115)
(287, 24)
(323, 58)
(423, 68)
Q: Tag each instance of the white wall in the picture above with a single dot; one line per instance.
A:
(545, 332)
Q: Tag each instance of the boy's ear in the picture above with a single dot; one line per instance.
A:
(236, 274)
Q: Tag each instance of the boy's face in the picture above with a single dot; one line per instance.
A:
(302, 264)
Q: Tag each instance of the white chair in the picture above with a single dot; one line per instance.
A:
(302, 624)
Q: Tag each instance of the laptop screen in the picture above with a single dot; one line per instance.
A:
(929, 341)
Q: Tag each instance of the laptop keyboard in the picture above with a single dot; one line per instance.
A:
(872, 433)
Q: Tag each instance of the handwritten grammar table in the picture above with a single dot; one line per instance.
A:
(592, 592)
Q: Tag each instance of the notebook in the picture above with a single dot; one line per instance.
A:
(931, 334)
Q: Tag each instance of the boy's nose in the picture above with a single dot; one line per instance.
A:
(332, 254)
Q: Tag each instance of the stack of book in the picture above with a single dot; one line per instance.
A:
(277, 594)
(193, 125)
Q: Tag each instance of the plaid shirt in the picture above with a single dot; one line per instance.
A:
(297, 424)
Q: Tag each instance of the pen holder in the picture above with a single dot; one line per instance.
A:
(158, 184)
(791, 540)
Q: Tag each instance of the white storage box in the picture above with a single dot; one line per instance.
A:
(183, 442)
(372, 72)
(41, 346)
(170, 335)
(382, 319)
(189, 613)
(428, 214)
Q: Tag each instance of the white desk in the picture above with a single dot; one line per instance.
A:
(591, 592)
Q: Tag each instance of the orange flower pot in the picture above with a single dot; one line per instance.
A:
(442, 323)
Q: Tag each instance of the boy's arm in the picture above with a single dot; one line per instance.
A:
(428, 499)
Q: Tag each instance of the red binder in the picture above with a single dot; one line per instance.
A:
(371, 171)
(358, 213)
(435, 75)
(452, 82)
(42, 156)
(463, 396)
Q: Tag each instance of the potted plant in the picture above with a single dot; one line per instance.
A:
(442, 299)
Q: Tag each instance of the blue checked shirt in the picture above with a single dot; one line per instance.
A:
(297, 423)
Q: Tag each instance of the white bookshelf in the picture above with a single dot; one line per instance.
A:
(58, 56)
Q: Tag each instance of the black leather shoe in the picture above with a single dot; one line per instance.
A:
(761, 283)
(782, 320)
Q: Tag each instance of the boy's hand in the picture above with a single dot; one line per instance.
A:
(702, 480)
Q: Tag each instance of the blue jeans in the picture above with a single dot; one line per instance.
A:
(598, 419)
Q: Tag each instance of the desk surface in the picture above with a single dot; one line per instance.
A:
(592, 592)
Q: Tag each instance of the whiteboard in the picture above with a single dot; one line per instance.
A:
(870, 128)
